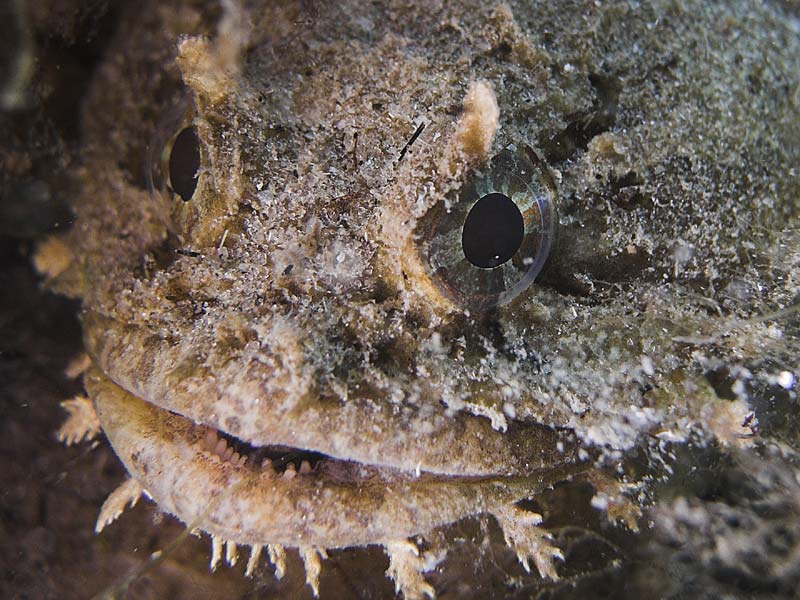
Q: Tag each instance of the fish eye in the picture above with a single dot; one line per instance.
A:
(183, 163)
(487, 242)
(493, 231)
(175, 153)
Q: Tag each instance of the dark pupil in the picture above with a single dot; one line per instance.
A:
(184, 162)
(493, 231)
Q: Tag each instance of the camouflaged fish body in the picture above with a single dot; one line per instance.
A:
(294, 341)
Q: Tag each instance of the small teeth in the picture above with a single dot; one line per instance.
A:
(219, 450)
(210, 440)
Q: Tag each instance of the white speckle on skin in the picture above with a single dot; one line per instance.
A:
(600, 501)
(670, 436)
(682, 254)
(510, 410)
(786, 380)
(647, 366)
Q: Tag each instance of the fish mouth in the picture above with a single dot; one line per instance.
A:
(254, 409)
(282, 459)
(254, 495)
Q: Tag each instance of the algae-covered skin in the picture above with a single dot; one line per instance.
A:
(285, 308)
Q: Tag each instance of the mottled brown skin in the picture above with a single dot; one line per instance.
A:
(285, 302)
(153, 348)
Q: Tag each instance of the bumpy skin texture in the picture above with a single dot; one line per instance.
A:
(339, 505)
(286, 302)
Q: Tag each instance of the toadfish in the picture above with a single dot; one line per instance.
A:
(350, 273)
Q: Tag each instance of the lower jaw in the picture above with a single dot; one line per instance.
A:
(256, 498)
